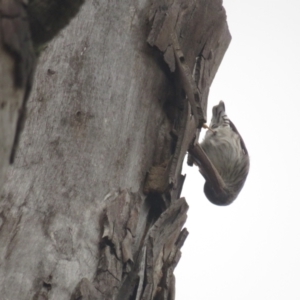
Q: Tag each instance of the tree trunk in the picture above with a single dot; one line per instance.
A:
(91, 208)
(23, 31)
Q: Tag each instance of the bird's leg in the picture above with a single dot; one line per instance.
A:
(207, 169)
(205, 126)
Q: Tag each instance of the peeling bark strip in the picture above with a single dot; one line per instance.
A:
(193, 37)
(163, 250)
(196, 31)
(156, 248)
(86, 291)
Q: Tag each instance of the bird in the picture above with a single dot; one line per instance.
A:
(222, 158)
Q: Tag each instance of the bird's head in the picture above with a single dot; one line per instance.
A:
(221, 198)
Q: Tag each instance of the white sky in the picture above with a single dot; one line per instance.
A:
(251, 249)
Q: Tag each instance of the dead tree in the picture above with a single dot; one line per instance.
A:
(91, 208)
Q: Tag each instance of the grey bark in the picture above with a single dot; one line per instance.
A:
(24, 29)
(91, 208)
(17, 62)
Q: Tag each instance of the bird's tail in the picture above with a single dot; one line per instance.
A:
(219, 117)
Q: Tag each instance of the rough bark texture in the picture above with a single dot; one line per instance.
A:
(23, 29)
(16, 68)
(91, 208)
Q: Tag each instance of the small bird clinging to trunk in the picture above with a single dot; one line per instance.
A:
(222, 158)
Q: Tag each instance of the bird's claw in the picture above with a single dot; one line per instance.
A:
(207, 127)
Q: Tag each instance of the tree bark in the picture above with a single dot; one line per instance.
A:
(17, 62)
(24, 31)
(91, 208)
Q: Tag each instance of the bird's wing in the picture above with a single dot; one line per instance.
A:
(208, 170)
(241, 139)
